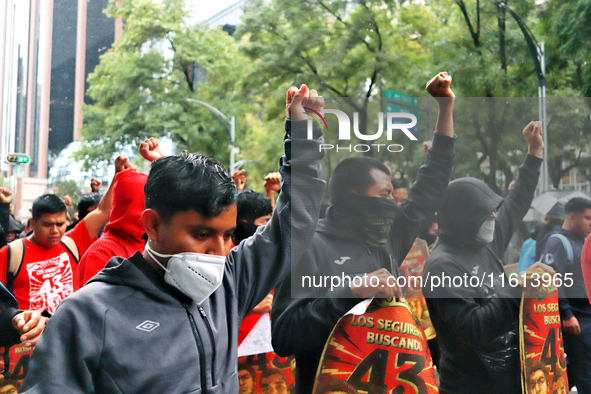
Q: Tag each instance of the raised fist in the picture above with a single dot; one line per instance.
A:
(68, 200)
(5, 195)
(438, 87)
(95, 185)
(298, 100)
(239, 179)
(533, 136)
(121, 164)
(150, 149)
(273, 182)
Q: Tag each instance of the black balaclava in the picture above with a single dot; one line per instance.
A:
(372, 217)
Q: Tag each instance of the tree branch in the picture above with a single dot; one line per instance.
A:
(347, 25)
(373, 79)
(475, 34)
(306, 60)
(568, 168)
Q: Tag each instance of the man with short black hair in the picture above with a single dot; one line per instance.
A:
(563, 252)
(254, 210)
(167, 319)
(40, 270)
(88, 203)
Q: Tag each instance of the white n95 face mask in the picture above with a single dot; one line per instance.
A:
(196, 275)
(486, 233)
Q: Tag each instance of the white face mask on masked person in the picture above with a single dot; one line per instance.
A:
(196, 275)
(486, 232)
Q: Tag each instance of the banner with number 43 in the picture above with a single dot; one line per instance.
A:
(380, 350)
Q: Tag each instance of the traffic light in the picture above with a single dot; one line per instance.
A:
(17, 158)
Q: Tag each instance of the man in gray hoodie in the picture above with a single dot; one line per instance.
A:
(167, 320)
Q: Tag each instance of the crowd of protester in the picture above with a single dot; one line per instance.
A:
(151, 285)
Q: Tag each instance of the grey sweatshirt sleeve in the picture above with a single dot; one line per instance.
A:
(516, 204)
(260, 262)
(67, 354)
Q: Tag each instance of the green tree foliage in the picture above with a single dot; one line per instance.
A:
(567, 28)
(344, 48)
(341, 48)
(69, 188)
(140, 86)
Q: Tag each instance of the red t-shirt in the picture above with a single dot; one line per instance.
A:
(46, 276)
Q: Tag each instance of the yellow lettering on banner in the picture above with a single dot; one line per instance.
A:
(397, 342)
(362, 321)
(553, 307)
(551, 320)
(20, 350)
(541, 308)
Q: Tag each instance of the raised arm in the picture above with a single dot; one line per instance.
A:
(260, 262)
(98, 218)
(439, 88)
(519, 199)
(272, 186)
(150, 149)
(425, 195)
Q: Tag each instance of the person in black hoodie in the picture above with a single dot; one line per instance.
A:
(365, 232)
(477, 326)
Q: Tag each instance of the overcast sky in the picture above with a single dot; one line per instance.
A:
(203, 9)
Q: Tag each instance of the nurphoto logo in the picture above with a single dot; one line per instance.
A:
(392, 124)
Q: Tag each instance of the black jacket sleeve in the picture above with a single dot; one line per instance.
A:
(8, 310)
(302, 325)
(516, 204)
(425, 195)
(4, 222)
(264, 259)
(476, 322)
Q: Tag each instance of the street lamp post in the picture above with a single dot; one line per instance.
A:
(230, 122)
(538, 56)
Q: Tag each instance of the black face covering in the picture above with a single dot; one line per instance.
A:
(243, 231)
(371, 217)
